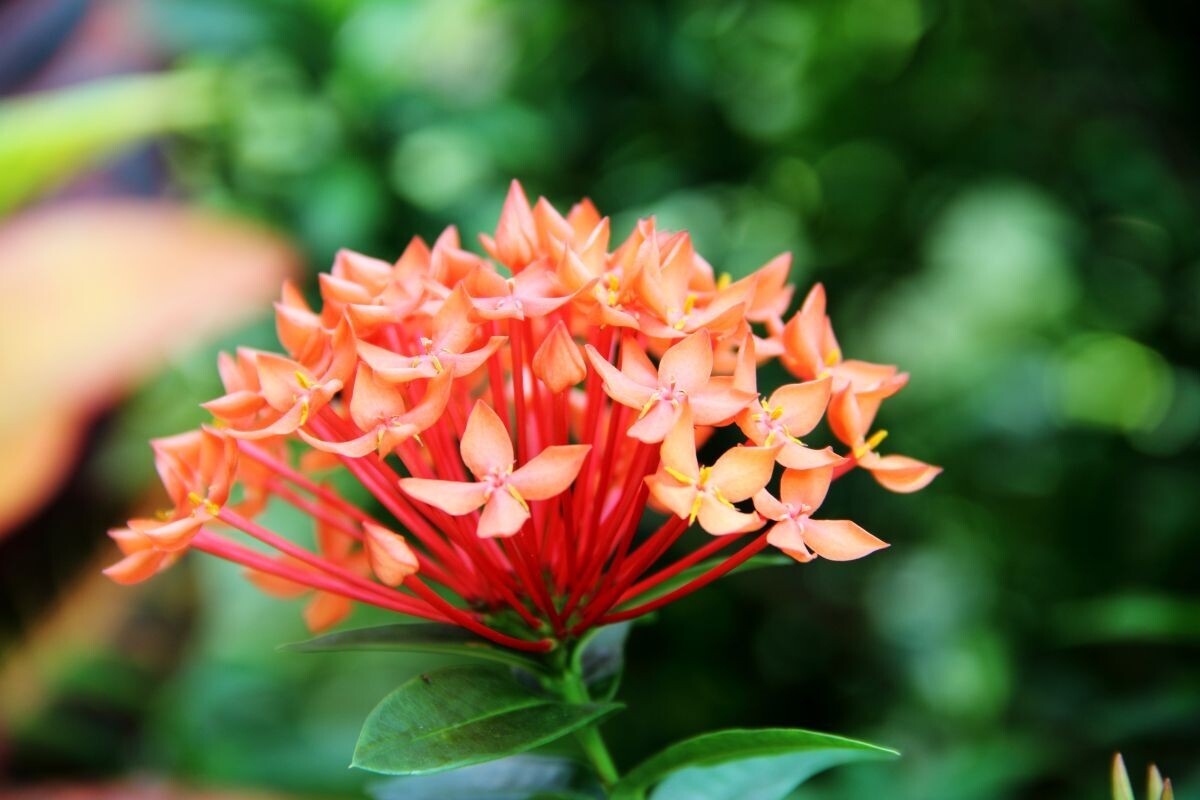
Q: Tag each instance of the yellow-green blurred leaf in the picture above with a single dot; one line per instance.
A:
(45, 138)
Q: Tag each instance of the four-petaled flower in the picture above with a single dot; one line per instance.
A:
(708, 494)
(801, 493)
(683, 378)
(503, 491)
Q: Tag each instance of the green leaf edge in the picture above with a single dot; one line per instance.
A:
(597, 712)
(361, 639)
(658, 766)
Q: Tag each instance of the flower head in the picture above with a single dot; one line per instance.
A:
(519, 419)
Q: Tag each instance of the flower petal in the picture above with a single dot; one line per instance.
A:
(351, 448)
(787, 537)
(390, 557)
(687, 364)
(137, 567)
(636, 364)
(719, 519)
(678, 451)
(558, 362)
(840, 539)
(326, 610)
(741, 471)
(550, 472)
(845, 417)
(805, 487)
(797, 456)
(803, 404)
(468, 362)
(719, 402)
(373, 401)
(673, 495)
(453, 497)
(899, 473)
(766, 504)
(485, 443)
(617, 384)
(503, 515)
(656, 423)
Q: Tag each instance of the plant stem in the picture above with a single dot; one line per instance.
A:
(575, 691)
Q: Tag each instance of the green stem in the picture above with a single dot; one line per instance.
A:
(575, 691)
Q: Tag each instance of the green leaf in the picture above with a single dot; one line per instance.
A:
(762, 764)
(693, 572)
(45, 138)
(513, 778)
(460, 716)
(420, 637)
(600, 659)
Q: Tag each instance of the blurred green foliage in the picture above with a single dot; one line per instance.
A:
(1001, 198)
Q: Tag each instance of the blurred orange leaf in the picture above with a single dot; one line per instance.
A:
(93, 296)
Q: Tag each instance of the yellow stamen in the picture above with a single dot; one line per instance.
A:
(770, 439)
(695, 508)
(677, 475)
(871, 443)
(162, 515)
(833, 357)
(721, 498)
(516, 495)
(723, 281)
(704, 473)
(776, 412)
(437, 365)
(212, 508)
(613, 283)
(304, 381)
(647, 406)
(689, 304)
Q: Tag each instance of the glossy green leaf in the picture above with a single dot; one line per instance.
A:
(762, 764)
(600, 659)
(421, 637)
(513, 778)
(460, 716)
(693, 572)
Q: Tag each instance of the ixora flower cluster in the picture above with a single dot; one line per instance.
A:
(518, 423)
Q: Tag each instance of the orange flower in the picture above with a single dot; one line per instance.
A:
(503, 491)
(850, 417)
(708, 494)
(481, 408)
(801, 493)
(681, 378)
(810, 349)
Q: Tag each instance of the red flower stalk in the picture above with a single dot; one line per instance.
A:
(519, 424)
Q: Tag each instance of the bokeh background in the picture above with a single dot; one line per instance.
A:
(1001, 197)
